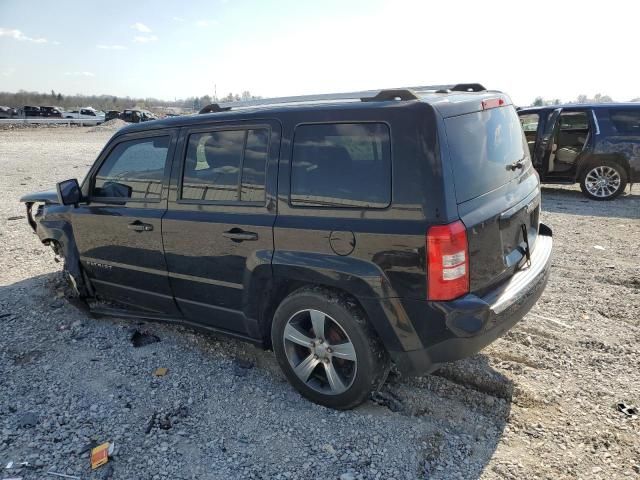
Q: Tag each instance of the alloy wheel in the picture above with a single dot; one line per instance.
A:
(603, 181)
(320, 352)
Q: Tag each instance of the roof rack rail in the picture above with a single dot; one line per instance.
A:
(397, 94)
(461, 87)
(391, 94)
(214, 107)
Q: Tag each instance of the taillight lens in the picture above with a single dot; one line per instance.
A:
(447, 261)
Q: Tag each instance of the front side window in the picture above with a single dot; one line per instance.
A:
(341, 165)
(134, 169)
(626, 121)
(226, 166)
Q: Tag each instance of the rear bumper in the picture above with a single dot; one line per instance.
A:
(460, 328)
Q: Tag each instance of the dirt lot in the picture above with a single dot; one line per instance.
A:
(538, 403)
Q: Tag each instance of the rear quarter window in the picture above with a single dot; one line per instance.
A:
(481, 146)
(626, 121)
(341, 165)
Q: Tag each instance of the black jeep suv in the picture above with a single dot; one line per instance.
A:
(348, 232)
(595, 145)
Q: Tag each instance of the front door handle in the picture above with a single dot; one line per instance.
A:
(239, 235)
(138, 226)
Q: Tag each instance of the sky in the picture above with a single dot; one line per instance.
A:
(167, 49)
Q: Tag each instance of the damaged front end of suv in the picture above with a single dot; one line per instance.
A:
(49, 219)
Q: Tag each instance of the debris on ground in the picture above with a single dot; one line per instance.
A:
(160, 371)
(241, 367)
(100, 455)
(629, 410)
(387, 399)
(13, 465)
(141, 339)
(63, 475)
(598, 247)
(151, 423)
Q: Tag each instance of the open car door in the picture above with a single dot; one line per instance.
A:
(546, 148)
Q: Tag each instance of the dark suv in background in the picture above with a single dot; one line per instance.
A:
(596, 145)
(347, 232)
(29, 111)
(51, 112)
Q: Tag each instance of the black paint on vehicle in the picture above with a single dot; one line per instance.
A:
(348, 234)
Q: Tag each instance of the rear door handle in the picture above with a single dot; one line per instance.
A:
(138, 226)
(239, 235)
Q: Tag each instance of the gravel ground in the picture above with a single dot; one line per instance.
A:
(538, 403)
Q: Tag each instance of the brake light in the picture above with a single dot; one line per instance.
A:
(492, 103)
(447, 261)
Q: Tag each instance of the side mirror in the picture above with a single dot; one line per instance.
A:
(69, 192)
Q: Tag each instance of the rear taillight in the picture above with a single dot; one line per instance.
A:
(447, 261)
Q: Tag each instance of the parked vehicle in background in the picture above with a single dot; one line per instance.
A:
(87, 113)
(280, 221)
(29, 111)
(8, 112)
(51, 112)
(133, 115)
(111, 115)
(596, 145)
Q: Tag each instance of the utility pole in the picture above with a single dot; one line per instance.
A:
(215, 92)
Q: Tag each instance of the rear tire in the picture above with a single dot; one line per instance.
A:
(603, 180)
(326, 348)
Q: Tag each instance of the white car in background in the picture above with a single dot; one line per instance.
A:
(87, 113)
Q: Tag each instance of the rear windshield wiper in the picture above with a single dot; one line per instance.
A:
(519, 164)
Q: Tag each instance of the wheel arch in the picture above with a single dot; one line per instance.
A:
(60, 234)
(594, 159)
(384, 313)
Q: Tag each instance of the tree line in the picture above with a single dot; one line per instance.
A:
(597, 98)
(110, 102)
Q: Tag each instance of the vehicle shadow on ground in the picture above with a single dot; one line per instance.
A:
(453, 419)
(573, 202)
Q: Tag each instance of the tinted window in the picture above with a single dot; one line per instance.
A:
(626, 121)
(529, 122)
(481, 145)
(341, 165)
(574, 121)
(226, 166)
(133, 169)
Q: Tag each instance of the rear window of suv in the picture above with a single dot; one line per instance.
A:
(482, 145)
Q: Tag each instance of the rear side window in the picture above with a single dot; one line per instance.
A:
(482, 145)
(626, 121)
(134, 169)
(530, 122)
(226, 166)
(341, 165)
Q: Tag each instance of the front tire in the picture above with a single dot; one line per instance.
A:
(326, 348)
(604, 180)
